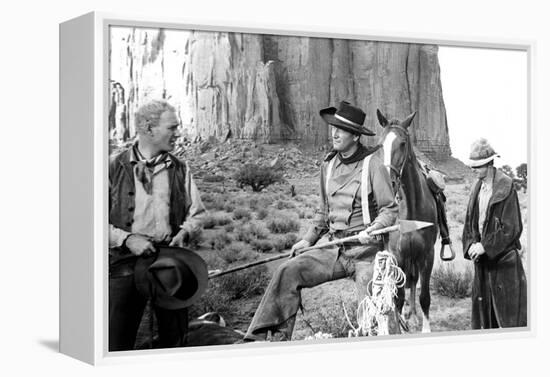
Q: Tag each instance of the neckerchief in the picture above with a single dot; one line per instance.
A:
(358, 155)
(147, 169)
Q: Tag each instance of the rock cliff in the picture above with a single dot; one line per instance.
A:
(270, 88)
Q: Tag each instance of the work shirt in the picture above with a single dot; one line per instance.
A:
(340, 206)
(151, 213)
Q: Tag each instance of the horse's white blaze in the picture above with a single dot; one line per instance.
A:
(387, 146)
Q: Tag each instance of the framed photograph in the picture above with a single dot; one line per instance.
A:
(241, 189)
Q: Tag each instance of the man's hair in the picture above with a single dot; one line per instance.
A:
(149, 114)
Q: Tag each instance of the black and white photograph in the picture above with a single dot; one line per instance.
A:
(268, 188)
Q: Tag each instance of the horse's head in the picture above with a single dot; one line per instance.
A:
(396, 145)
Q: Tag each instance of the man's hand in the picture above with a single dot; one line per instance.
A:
(139, 245)
(364, 236)
(180, 238)
(475, 251)
(295, 251)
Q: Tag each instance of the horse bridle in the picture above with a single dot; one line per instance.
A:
(399, 172)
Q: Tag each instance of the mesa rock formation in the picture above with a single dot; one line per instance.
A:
(269, 88)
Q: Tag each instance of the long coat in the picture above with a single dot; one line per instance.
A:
(499, 280)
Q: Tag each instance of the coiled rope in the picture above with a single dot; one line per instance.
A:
(373, 310)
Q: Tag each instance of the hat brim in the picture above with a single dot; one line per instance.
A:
(328, 117)
(483, 161)
(169, 255)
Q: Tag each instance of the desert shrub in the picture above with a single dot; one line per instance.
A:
(256, 176)
(241, 213)
(217, 203)
(229, 207)
(284, 242)
(213, 178)
(195, 237)
(284, 204)
(283, 224)
(243, 284)
(223, 220)
(301, 214)
(207, 198)
(235, 253)
(449, 282)
(330, 319)
(262, 213)
(254, 203)
(210, 220)
(220, 241)
(262, 246)
(249, 232)
(229, 227)
(309, 215)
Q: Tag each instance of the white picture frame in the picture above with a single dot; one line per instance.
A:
(84, 98)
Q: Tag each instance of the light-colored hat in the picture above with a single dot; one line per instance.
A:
(481, 153)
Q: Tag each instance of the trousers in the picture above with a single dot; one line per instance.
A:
(126, 307)
(282, 298)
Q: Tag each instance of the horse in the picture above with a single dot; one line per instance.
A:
(414, 251)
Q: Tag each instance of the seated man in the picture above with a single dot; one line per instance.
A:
(153, 202)
(356, 198)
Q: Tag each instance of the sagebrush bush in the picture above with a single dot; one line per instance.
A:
(217, 203)
(249, 232)
(195, 237)
(256, 176)
(282, 224)
(262, 213)
(254, 203)
(284, 204)
(229, 207)
(330, 319)
(243, 284)
(262, 246)
(229, 227)
(220, 241)
(242, 213)
(211, 220)
(208, 221)
(284, 242)
(449, 282)
(235, 253)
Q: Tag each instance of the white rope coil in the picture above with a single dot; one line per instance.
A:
(373, 310)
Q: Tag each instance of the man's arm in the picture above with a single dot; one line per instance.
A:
(195, 207)
(319, 224)
(117, 236)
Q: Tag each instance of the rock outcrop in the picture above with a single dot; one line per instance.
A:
(270, 88)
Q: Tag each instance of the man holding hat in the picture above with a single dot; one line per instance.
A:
(492, 230)
(153, 206)
(356, 197)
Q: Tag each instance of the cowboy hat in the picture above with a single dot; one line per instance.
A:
(481, 153)
(347, 117)
(173, 278)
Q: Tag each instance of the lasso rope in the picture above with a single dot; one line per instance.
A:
(373, 310)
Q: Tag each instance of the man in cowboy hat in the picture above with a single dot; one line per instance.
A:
(491, 240)
(153, 203)
(356, 198)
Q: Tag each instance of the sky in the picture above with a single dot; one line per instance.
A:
(485, 94)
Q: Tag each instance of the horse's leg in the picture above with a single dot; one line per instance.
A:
(425, 299)
(412, 316)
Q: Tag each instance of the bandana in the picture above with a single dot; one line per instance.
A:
(145, 169)
(358, 155)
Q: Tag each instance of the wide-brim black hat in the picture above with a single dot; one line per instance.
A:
(347, 117)
(173, 278)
